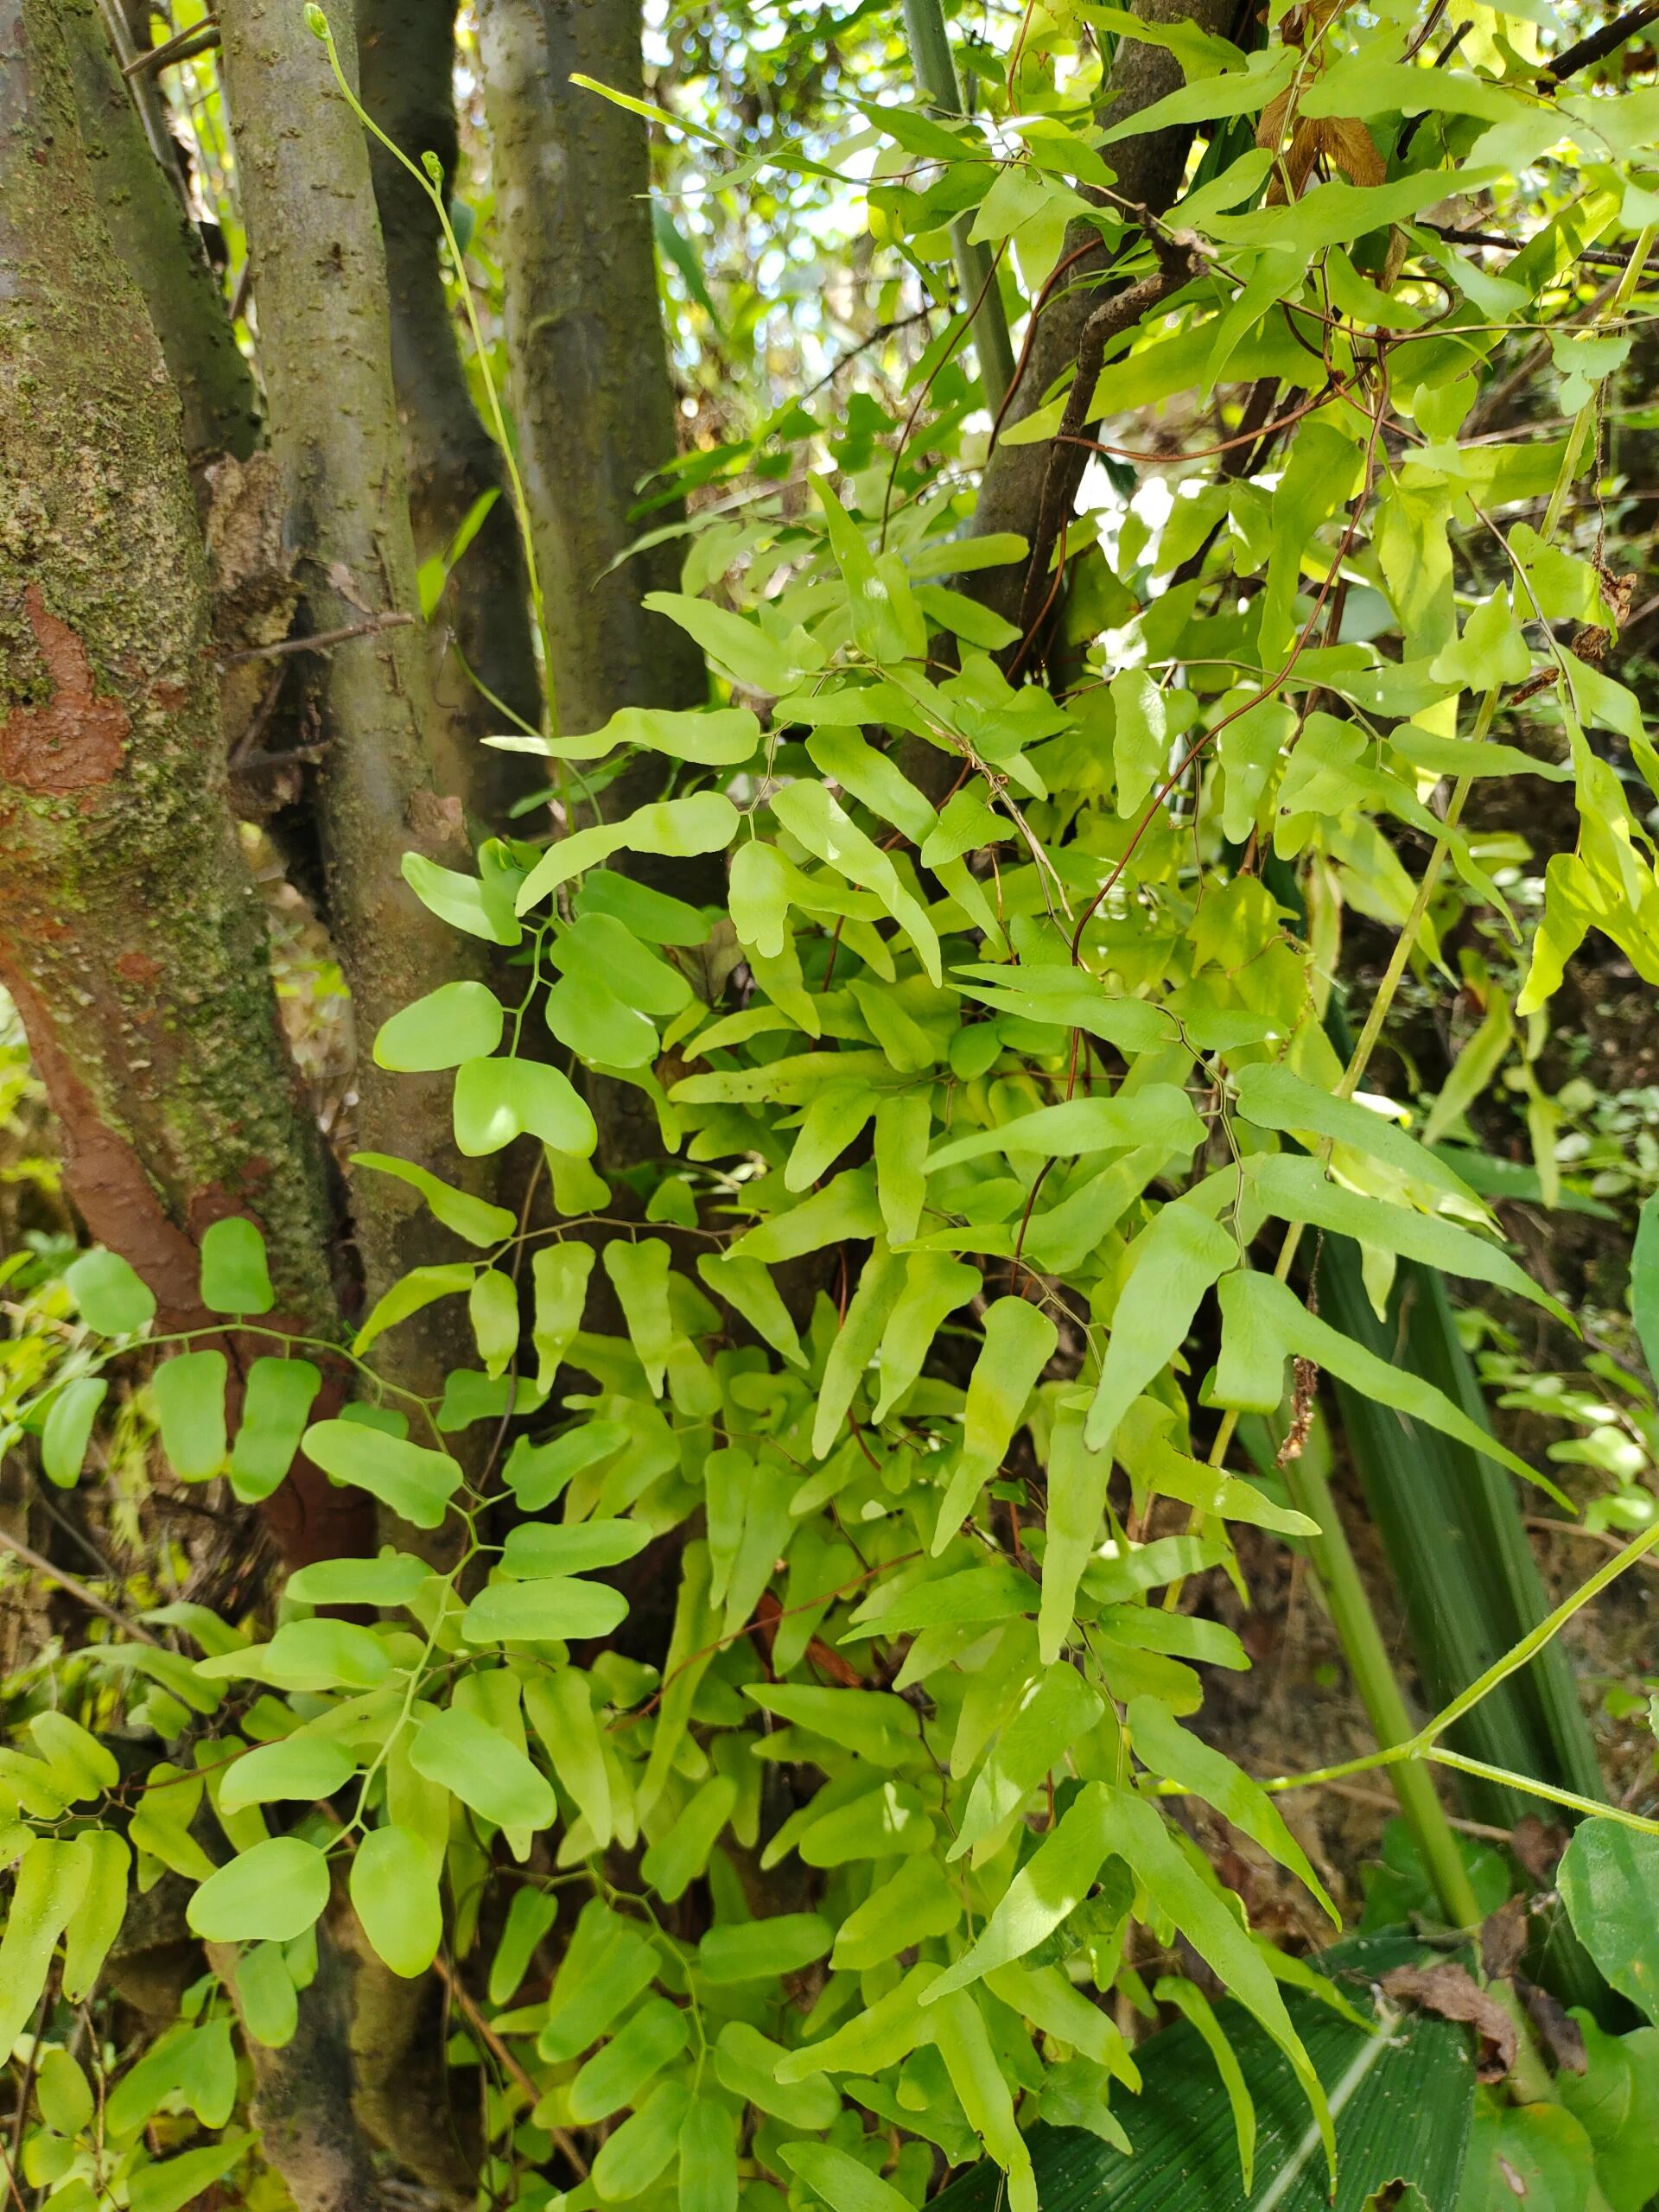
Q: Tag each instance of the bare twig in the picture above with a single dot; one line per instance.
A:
(464, 2003)
(319, 639)
(1109, 320)
(78, 1589)
(1601, 44)
(200, 38)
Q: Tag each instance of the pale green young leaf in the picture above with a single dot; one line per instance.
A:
(457, 1022)
(394, 1886)
(416, 1484)
(270, 1894)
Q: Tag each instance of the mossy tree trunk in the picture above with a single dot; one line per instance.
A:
(162, 249)
(320, 291)
(482, 623)
(131, 937)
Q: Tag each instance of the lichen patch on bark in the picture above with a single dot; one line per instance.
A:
(75, 738)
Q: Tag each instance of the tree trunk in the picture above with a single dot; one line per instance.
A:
(325, 348)
(591, 393)
(406, 50)
(1149, 172)
(131, 937)
(162, 249)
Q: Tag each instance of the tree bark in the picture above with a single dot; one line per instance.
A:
(162, 249)
(592, 398)
(325, 348)
(406, 51)
(1149, 171)
(131, 937)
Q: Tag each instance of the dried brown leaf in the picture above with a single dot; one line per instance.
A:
(1454, 1993)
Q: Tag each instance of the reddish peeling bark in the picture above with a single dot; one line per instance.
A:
(131, 936)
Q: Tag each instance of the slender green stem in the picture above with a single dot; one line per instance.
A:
(430, 181)
(1374, 1678)
(936, 71)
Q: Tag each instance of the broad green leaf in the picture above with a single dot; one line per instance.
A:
(748, 1288)
(746, 2063)
(530, 1915)
(887, 622)
(1179, 1256)
(234, 1276)
(1263, 1322)
(190, 1401)
(559, 1275)
(65, 2094)
(705, 821)
(418, 1484)
(270, 1894)
(79, 1765)
(168, 2184)
(1158, 1113)
(854, 1347)
(873, 1724)
(558, 1607)
(708, 2158)
(1078, 1482)
(741, 649)
(560, 1709)
(1057, 1709)
(276, 1402)
(917, 1903)
(411, 1294)
(294, 1767)
(1136, 1831)
(715, 737)
(979, 2080)
(755, 1950)
(539, 1547)
(639, 1273)
(676, 1857)
(51, 1881)
(1273, 1099)
(483, 1769)
(492, 1309)
(1019, 1341)
(813, 815)
(68, 1429)
(1190, 2001)
(475, 1219)
(840, 2180)
(111, 1297)
(394, 1884)
(1609, 1879)
(314, 1655)
(1162, 1745)
(1298, 1189)
(390, 1579)
(498, 1100)
(457, 1022)
(537, 1473)
(615, 2075)
(1140, 736)
(98, 1913)
(467, 903)
(637, 2153)
(977, 1594)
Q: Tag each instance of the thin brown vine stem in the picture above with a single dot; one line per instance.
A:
(964, 324)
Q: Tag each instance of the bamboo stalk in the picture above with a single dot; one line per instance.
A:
(936, 72)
